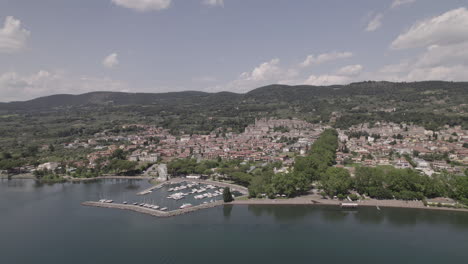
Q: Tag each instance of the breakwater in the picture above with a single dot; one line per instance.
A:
(152, 212)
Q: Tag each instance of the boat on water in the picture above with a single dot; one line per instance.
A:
(125, 202)
(163, 209)
(349, 205)
(135, 203)
(185, 205)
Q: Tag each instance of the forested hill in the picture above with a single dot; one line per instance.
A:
(432, 104)
(449, 92)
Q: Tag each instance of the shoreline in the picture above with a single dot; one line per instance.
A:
(23, 176)
(318, 201)
(164, 214)
(301, 200)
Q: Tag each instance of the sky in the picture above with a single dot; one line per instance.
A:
(72, 47)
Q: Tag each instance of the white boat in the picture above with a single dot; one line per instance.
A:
(186, 205)
(125, 202)
(163, 209)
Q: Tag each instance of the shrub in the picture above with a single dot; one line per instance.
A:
(354, 197)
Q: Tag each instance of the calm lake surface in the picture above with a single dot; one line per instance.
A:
(47, 224)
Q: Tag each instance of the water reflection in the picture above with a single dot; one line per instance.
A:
(281, 212)
(227, 210)
(399, 217)
(374, 217)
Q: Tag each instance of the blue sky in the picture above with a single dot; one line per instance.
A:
(70, 46)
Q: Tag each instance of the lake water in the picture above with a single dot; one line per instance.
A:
(47, 224)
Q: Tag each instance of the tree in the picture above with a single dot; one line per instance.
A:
(336, 181)
(227, 196)
(5, 155)
(118, 154)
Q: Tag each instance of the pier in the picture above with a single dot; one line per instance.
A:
(150, 189)
(349, 205)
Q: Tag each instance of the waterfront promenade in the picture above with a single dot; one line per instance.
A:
(318, 200)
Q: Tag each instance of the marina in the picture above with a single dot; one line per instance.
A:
(171, 198)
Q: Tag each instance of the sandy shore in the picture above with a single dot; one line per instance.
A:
(318, 200)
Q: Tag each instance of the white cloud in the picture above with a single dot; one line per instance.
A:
(214, 2)
(143, 5)
(445, 55)
(264, 74)
(14, 86)
(12, 36)
(272, 72)
(325, 57)
(264, 71)
(327, 80)
(344, 75)
(397, 3)
(375, 23)
(350, 70)
(111, 61)
(448, 28)
(448, 63)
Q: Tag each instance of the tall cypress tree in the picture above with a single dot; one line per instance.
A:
(227, 196)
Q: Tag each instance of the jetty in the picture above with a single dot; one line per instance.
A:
(150, 189)
(152, 212)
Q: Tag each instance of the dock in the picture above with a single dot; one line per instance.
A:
(349, 205)
(150, 189)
